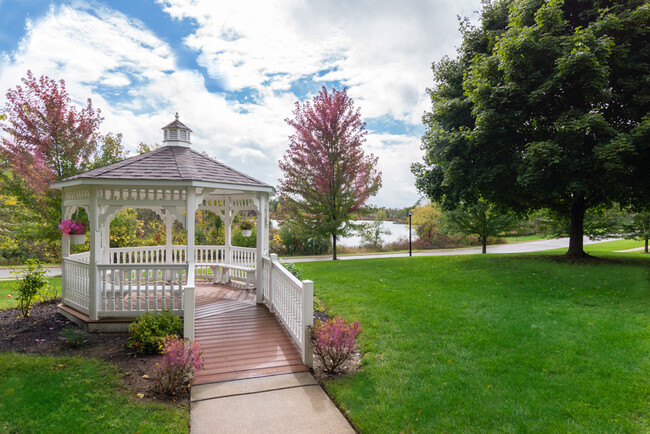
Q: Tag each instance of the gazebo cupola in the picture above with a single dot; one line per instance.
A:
(176, 134)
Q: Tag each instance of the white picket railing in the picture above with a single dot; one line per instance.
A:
(75, 284)
(83, 256)
(292, 301)
(245, 256)
(132, 289)
(137, 255)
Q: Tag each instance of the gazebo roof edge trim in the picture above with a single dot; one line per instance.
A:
(162, 183)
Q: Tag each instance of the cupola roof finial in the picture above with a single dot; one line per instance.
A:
(176, 134)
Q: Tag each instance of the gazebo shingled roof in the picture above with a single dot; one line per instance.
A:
(174, 163)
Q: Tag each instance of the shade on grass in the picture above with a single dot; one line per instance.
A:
(494, 343)
(66, 395)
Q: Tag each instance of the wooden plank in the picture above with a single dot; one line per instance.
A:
(240, 339)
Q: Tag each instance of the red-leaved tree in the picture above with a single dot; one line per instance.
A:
(45, 137)
(327, 176)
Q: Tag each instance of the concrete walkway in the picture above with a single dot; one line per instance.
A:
(288, 403)
(636, 249)
(526, 247)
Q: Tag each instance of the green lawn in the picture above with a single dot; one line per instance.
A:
(9, 297)
(490, 343)
(611, 246)
(65, 395)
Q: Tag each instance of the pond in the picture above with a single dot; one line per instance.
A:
(397, 231)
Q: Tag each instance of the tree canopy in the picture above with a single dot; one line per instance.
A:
(479, 218)
(547, 105)
(327, 176)
(46, 137)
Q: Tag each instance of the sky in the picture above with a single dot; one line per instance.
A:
(234, 70)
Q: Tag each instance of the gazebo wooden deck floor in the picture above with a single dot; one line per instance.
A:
(239, 338)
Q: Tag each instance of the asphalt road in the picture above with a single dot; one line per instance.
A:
(530, 246)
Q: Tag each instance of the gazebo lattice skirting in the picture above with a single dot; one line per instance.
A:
(174, 181)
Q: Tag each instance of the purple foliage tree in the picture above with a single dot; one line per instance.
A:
(327, 176)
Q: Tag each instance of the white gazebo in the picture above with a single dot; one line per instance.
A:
(105, 285)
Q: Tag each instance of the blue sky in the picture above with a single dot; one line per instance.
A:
(233, 70)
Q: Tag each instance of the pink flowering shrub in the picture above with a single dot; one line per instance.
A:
(72, 227)
(180, 360)
(334, 342)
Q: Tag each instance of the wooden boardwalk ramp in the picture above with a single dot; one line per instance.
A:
(240, 339)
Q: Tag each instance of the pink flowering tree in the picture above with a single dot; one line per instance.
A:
(327, 177)
(45, 137)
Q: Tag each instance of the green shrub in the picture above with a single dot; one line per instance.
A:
(291, 268)
(48, 293)
(147, 334)
(73, 337)
(31, 280)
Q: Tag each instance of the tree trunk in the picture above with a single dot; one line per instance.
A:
(334, 247)
(484, 244)
(646, 245)
(576, 232)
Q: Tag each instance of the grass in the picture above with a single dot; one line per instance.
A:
(62, 395)
(611, 246)
(9, 296)
(494, 342)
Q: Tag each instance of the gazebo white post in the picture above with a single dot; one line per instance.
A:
(65, 252)
(227, 225)
(262, 234)
(65, 239)
(106, 241)
(169, 222)
(188, 292)
(94, 254)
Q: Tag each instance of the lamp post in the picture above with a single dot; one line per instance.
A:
(410, 251)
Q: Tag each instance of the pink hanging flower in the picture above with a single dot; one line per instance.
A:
(72, 227)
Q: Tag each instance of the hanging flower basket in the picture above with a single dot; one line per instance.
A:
(75, 229)
(77, 238)
(246, 226)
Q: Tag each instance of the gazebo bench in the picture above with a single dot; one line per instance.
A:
(224, 272)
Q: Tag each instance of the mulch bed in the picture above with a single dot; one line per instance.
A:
(40, 334)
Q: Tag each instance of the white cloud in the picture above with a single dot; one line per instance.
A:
(380, 49)
(396, 153)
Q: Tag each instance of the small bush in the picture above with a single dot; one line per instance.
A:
(48, 293)
(148, 333)
(334, 342)
(31, 280)
(73, 337)
(291, 268)
(181, 359)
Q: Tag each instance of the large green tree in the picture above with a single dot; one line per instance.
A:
(547, 105)
(479, 218)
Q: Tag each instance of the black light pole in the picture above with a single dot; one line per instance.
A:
(410, 251)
